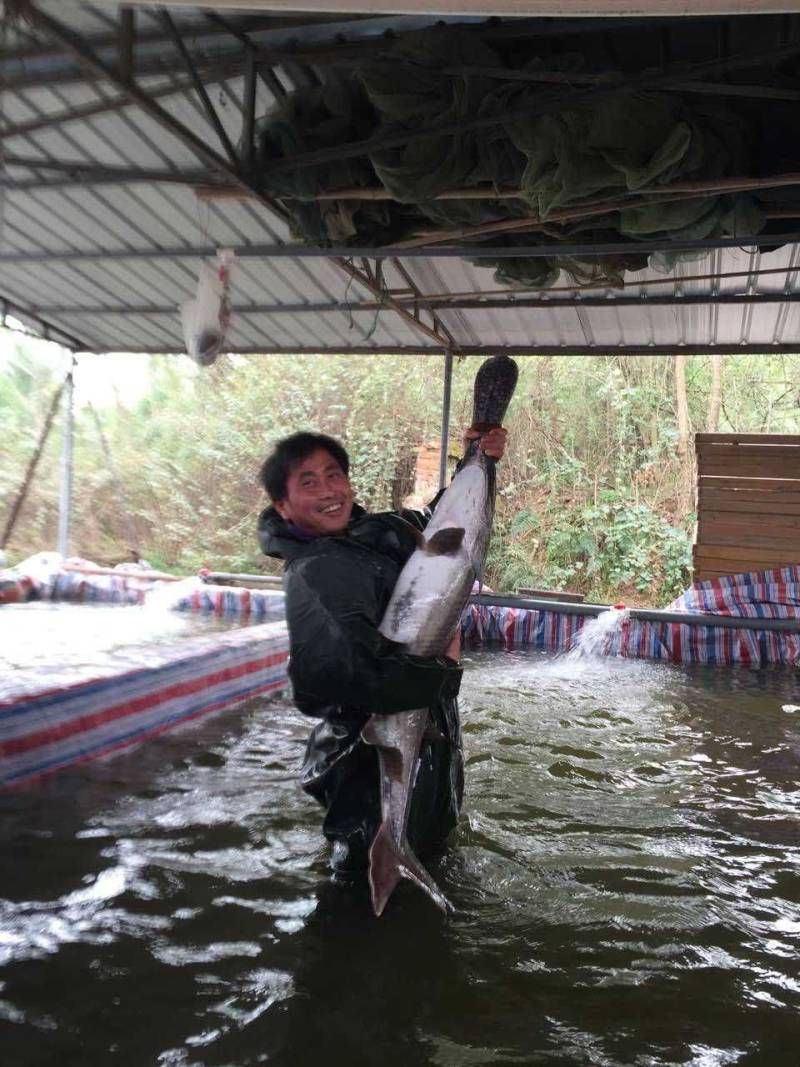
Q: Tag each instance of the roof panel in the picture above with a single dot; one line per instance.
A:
(133, 216)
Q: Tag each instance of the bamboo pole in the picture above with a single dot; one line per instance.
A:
(369, 193)
(675, 193)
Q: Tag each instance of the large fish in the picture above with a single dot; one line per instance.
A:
(423, 613)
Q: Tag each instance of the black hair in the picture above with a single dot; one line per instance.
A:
(286, 454)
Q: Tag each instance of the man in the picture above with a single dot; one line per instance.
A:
(341, 565)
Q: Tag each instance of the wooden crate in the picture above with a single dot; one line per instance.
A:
(748, 502)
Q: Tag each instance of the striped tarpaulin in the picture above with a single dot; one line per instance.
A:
(15, 588)
(224, 600)
(770, 594)
(191, 594)
(233, 602)
(77, 588)
(44, 730)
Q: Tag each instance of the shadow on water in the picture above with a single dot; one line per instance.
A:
(626, 877)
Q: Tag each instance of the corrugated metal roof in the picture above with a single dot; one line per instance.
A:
(103, 265)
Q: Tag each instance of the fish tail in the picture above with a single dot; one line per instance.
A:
(388, 863)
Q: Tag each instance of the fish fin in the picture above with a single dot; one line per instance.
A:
(388, 863)
(369, 732)
(445, 542)
(384, 868)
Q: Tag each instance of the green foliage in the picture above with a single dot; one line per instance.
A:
(591, 494)
(619, 546)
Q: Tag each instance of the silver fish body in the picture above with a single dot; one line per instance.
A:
(398, 739)
(422, 615)
(434, 586)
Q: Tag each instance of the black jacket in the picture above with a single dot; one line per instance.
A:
(342, 670)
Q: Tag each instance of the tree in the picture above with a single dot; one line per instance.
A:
(715, 396)
(685, 487)
(681, 405)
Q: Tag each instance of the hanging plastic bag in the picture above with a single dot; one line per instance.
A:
(205, 319)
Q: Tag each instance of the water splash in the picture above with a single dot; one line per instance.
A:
(594, 647)
(598, 637)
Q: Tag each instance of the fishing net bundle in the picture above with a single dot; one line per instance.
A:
(623, 145)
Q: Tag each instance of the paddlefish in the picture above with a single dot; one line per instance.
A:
(423, 613)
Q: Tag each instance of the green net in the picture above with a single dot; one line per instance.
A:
(619, 146)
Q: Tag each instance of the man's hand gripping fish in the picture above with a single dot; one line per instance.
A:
(423, 613)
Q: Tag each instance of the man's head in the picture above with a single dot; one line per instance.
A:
(305, 476)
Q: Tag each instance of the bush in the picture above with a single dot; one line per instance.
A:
(606, 551)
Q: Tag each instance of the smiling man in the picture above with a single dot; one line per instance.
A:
(341, 565)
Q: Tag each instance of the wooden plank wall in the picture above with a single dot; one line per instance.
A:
(748, 502)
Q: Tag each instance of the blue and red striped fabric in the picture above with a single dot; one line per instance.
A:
(234, 602)
(125, 587)
(43, 731)
(769, 594)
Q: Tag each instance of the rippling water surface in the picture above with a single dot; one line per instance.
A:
(626, 874)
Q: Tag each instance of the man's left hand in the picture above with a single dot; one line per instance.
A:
(492, 442)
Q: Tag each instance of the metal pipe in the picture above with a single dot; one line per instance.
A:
(392, 351)
(481, 251)
(65, 492)
(225, 577)
(444, 439)
(563, 607)
(490, 301)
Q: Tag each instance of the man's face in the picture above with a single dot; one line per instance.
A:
(319, 497)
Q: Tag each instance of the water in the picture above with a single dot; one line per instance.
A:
(46, 635)
(626, 877)
(596, 635)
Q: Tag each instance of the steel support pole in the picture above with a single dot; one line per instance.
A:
(445, 438)
(65, 492)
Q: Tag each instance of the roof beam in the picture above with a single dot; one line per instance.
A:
(47, 330)
(115, 103)
(152, 66)
(82, 171)
(436, 332)
(485, 303)
(199, 88)
(85, 55)
(74, 44)
(508, 350)
(291, 251)
(127, 42)
(193, 30)
(337, 49)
